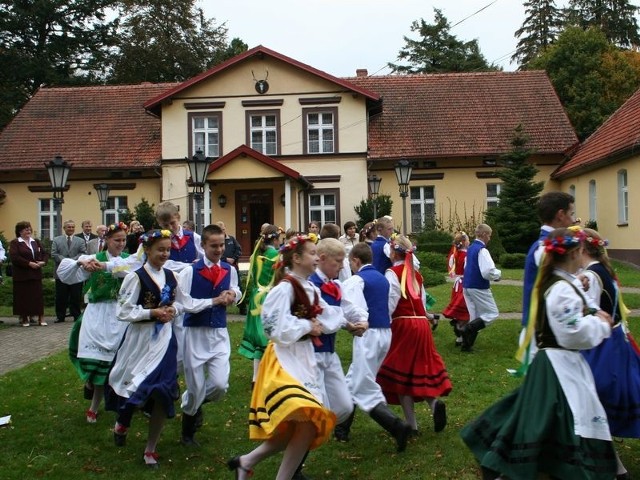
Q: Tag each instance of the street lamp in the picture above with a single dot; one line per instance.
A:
(403, 174)
(103, 197)
(58, 170)
(198, 169)
(374, 189)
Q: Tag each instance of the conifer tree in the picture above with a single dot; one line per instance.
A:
(615, 18)
(541, 26)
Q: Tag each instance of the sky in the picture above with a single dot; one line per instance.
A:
(340, 36)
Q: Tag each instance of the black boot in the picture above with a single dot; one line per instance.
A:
(399, 429)
(189, 430)
(299, 475)
(488, 474)
(342, 430)
(199, 418)
(470, 333)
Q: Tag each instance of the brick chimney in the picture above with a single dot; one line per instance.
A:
(362, 72)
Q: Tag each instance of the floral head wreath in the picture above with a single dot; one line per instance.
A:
(399, 248)
(296, 240)
(560, 244)
(367, 230)
(270, 235)
(149, 237)
(597, 242)
(116, 227)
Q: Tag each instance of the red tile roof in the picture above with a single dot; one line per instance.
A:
(465, 114)
(155, 103)
(615, 139)
(91, 127)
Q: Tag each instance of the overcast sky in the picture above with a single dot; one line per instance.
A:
(339, 36)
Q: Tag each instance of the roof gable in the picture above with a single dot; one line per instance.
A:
(615, 139)
(465, 114)
(155, 103)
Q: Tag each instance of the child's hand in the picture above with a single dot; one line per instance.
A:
(357, 329)
(316, 328)
(163, 314)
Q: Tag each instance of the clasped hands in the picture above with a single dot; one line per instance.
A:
(357, 329)
(227, 297)
(163, 314)
(91, 265)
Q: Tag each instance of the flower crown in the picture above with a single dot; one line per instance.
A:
(597, 242)
(117, 227)
(294, 241)
(560, 244)
(367, 230)
(400, 248)
(268, 236)
(148, 237)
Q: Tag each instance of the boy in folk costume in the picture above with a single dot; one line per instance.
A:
(206, 339)
(369, 290)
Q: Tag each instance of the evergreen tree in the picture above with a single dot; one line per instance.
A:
(437, 51)
(364, 210)
(541, 26)
(512, 217)
(616, 19)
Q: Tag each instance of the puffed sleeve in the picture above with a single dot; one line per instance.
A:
(70, 273)
(353, 292)
(127, 308)
(278, 322)
(394, 290)
(183, 296)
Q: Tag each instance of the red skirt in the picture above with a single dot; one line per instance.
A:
(412, 366)
(457, 308)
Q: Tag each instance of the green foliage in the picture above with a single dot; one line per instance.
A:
(433, 241)
(453, 221)
(432, 278)
(145, 214)
(512, 218)
(495, 247)
(614, 18)
(592, 224)
(364, 210)
(512, 260)
(432, 261)
(437, 51)
(541, 25)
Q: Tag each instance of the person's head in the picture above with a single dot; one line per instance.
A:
(402, 250)
(101, 230)
(299, 255)
(483, 233)
(461, 240)
(557, 209)
(189, 225)
(331, 254)
(23, 229)
(86, 227)
(157, 246)
(384, 226)
(116, 238)
(313, 227)
(595, 249)
(290, 233)
(264, 225)
(212, 242)
(330, 230)
(401, 246)
(269, 234)
(222, 226)
(360, 255)
(168, 217)
(350, 229)
(368, 232)
(563, 249)
(69, 227)
(135, 227)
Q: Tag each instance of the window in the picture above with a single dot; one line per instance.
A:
(423, 207)
(320, 130)
(493, 191)
(263, 131)
(48, 226)
(323, 206)
(623, 198)
(572, 192)
(593, 206)
(205, 134)
(116, 206)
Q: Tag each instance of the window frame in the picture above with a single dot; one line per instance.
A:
(495, 199)
(52, 217)
(593, 201)
(623, 197)
(336, 207)
(192, 133)
(422, 201)
(115, 209)
(305, 129)
(249, 114)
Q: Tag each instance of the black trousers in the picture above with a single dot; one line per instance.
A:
(68, 296)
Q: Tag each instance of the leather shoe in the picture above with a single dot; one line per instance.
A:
(234, 465)
(59, 321)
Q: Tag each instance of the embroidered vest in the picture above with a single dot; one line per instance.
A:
(328, 339)
(376, 294)
(187, 253)
(103, 286)
(201, 287)
(380, 261)
(150, 295)
(472, 276)
(301, 307)
(408, 307)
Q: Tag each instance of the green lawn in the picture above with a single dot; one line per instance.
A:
(50, 439)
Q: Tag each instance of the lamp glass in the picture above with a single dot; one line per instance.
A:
(403, 172)
(222, 200)
(283, 199)
(374, 185)
(58, 170)
(198, 168)
(103, 194)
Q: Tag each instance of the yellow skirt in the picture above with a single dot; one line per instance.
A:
(279, 398)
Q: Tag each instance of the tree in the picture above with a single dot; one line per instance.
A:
(541, 25)
(50, 42)
(512, 217)
(591, 76)
(145, 214)
(168, 41)
(365, 209)
(438, 51)
(615, 18)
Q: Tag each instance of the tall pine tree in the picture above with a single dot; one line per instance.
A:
(542, 23)
(615, 18)
(512, 216)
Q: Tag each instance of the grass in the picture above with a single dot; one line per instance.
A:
(50, 439)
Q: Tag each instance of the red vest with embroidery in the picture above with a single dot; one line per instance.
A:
(408, 307)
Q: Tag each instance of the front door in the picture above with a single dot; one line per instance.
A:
(253, 208)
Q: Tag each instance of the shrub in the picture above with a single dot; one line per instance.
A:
(432, 261)
(434, 241)
(512, 260)
(432, 278)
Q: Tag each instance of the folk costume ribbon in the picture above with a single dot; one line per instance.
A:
(214, 274)
(331, 289)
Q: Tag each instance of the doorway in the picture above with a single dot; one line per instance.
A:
(253, 208)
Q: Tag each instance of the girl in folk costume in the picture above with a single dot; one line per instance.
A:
(96, 335)
(368, 233)
(554, 422)
(457, 308)
(615, 363)
(145, 368)
(286, 409)
(412, 370)
(259, 281)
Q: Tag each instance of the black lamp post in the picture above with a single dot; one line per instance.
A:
(58, 170)
(198, 169)
(374, 189)
(103, 197)
(403, 174)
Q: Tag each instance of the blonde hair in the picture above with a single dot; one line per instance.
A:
(383, 222)
(482, 229)
(331, 247)
(166, 211)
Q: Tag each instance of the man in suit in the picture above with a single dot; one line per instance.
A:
(99, 243)
(67, 296)
(86, 234)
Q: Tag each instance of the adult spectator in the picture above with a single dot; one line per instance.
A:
(191, 226)
(28, 256)
(68, 245)
(133, 237)
(350, 237)
(99, 243)
(314, 227)
(232, 248)
(86, 234)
